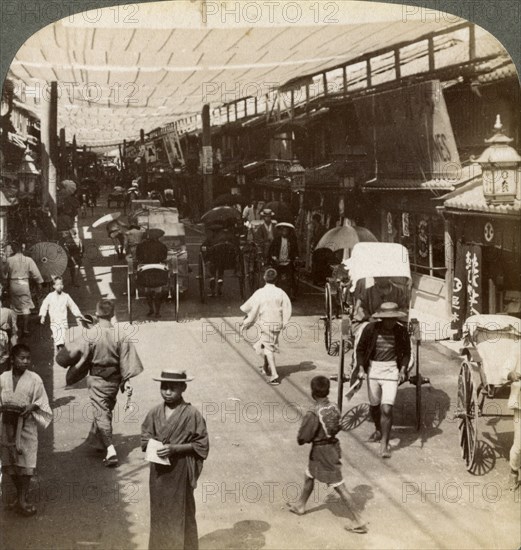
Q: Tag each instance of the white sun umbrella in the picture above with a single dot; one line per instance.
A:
(107, 218)
(68, 186)
(369, 260)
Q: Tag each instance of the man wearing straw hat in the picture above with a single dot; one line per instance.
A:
(383, 351)
(175, 439)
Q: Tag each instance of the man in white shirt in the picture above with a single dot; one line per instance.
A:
(269, 309)
(56, 304)
(250, 212)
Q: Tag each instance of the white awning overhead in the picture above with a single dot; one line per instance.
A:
(117, 75)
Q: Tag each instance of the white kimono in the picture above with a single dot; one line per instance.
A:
(29, 389)
(269, 310)
(57, 305)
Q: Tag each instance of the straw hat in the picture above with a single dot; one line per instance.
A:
(389, 310)
(285, 224)
(172, 375)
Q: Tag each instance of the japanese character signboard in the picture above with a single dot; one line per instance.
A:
(467, 296)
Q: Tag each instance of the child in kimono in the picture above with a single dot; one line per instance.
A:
(181, 430)
(22, 386)
(57, 304)
(319, 427)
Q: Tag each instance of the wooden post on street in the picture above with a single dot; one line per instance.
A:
(49, 127)
(62, 171)
(144, 180)
(207, 164)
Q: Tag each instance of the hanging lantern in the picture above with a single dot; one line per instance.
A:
(297, 175)
(501, 166)
(28, 175)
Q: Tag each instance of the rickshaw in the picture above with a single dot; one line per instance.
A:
(221, 249)
(173, 274)
(491, 349)
(117, 195)
(367, 261)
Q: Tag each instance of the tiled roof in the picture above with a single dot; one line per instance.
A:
(468, 173)
(470, 198)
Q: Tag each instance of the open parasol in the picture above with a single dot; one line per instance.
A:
(107, 218)
(228, 199)
(345, 238)
(221, 214)
(50, 258)
(68, 187)
(281, 211)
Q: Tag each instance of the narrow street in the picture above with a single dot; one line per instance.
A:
(255, 465)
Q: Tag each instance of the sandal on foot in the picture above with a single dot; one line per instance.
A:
(26, 511)
(359, 529)
(375, 436)
(293, 510)
(386, 453)
(111, 461)
(12, 505)
(274, 382)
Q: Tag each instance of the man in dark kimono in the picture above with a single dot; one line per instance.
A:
(112, 361)
(181, 430)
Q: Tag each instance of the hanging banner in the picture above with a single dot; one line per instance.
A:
(467, 296)
(408, 133)
(207, 159)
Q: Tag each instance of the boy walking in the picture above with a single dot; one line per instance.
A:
(57, 304)
(270, 309)
(177, 431)
(319, 427)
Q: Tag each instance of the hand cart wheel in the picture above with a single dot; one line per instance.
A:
(202, 278)
(467, 414)
(328, 319)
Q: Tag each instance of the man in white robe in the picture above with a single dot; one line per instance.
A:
(23, 389)
(269, 310)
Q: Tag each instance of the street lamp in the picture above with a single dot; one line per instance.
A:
(297, 175)
(501, 167)
(28, 174)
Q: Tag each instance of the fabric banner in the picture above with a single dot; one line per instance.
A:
(408, 133)
(467, 296)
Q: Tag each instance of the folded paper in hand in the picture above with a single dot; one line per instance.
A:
(151, 455)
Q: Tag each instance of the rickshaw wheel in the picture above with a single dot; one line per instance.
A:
(328, 320)
(202, 278)
(241, 275)
(468, 413)
(176, 295)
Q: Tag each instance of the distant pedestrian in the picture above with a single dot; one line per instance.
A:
(57, 304)
(317, 230)
(20, 270)
(24, 406)
(179, 432)
(269, 310)
(8, 334)
(250, 212)
(384, 351)
(319, 427)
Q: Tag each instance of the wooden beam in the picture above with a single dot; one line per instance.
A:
(144, 175)
(324, 81)
(344, 79)
(49, 127)
(472, 42)
(368, 72)
(430, 42)
(397, 68)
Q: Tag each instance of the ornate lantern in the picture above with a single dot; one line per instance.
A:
(501, 166)
(297, 175)
(28, 175)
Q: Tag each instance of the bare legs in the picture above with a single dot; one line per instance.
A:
(299, 507)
